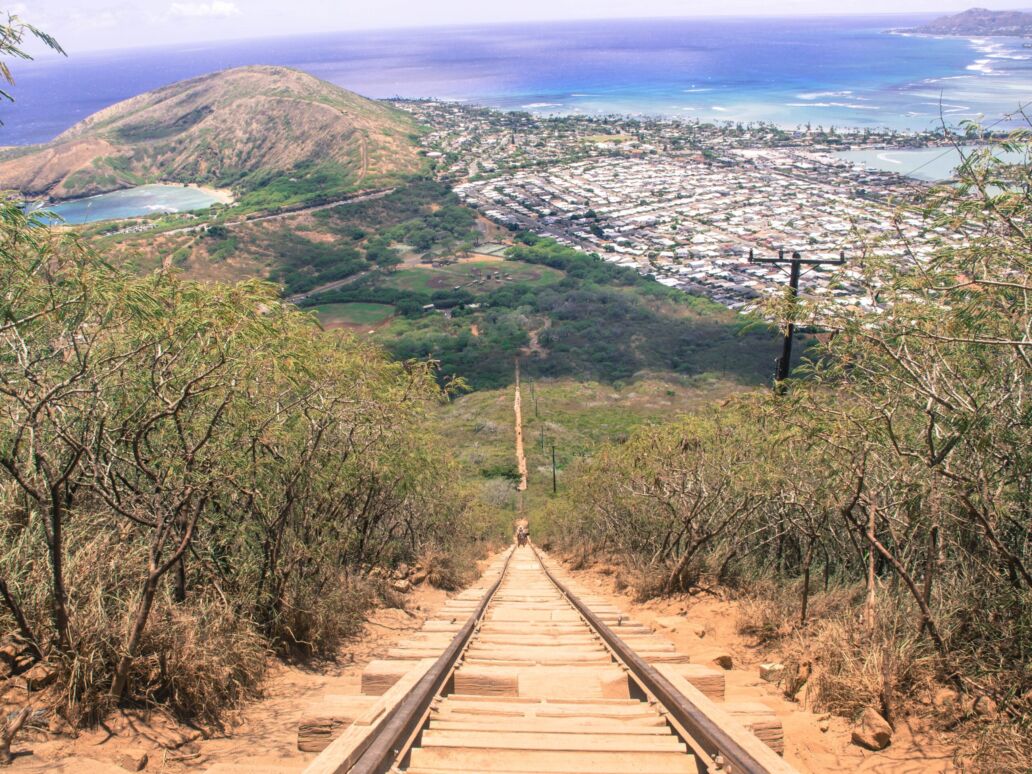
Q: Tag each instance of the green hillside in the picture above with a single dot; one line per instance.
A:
(260, 128)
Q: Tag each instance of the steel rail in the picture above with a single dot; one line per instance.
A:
(715, 740)
(405, 719)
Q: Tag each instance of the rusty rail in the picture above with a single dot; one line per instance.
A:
(731, 754)
(404, 721)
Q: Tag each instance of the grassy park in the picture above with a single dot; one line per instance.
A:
(354, 313)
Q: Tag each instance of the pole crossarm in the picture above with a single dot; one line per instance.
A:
(797, 258)
(796, 262)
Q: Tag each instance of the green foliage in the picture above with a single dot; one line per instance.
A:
(380, 252)
(356, 313)
(638, 335)
(406, 203)
(12, 44)
(149, 131)
(443, 227)
(424, 214)
(220, 251)
(304, 264)
(899, 461)
(647, 326)
(311, 182)
(191, 474)
(508, 471)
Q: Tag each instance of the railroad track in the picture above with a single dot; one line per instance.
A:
(522, 673)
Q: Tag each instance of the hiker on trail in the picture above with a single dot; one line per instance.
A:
(521, 535)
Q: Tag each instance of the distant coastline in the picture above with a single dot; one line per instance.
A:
(715, 70)
(978, 22)
(143, 201)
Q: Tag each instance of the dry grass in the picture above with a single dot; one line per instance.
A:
(198, 658)
(771, 611)
(316, 624)
(452, 570)
(999, 746)
(836, 664)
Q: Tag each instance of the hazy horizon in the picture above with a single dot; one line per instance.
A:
(89, 27)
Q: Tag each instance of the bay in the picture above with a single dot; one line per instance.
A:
(931, 165)
(131, 203)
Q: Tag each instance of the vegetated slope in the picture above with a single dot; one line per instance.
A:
(979, 21)
(878, 513)
(577, 417)
(567, 314)
(282, 465)
(243, 127)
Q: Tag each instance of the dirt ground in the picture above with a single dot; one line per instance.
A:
(266, 730)
(806, 746)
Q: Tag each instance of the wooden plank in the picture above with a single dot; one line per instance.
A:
(414, 651)
(552, 761)
(458, 697)
(535, 725)
(341, 754)
(480, 680)
(324, 719)
(757, 749)
(247, 768)
(380, 674)
(761, 720)
(490, 637)
(501, 740)
(664, 657)
(538, 655)
(555, 682)
(706, 679)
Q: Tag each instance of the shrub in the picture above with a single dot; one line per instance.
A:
(193, 475)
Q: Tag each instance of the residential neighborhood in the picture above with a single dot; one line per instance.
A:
(685, 202)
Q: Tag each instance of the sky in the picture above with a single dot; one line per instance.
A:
(88, 25)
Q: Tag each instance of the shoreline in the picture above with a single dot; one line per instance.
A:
(224, 196)
(221, 195)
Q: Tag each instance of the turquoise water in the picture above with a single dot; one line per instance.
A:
(841, 71)
(929, 164)
(132, 203)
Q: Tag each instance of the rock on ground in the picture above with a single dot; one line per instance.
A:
(872, 731)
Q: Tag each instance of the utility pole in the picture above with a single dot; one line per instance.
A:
(554, 489)
(795, 265)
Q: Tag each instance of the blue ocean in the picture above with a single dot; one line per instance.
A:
(841, 71)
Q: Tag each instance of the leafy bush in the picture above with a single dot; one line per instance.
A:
(899, 465)
(193, 475)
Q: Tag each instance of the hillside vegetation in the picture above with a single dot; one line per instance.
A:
(565, 313)
(575, 416)
(271, 132)
(878, 515)
(192, 475)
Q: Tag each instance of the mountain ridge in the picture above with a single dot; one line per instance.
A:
(239, 127)
(979, 21)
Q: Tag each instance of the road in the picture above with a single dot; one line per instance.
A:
(361, 197)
